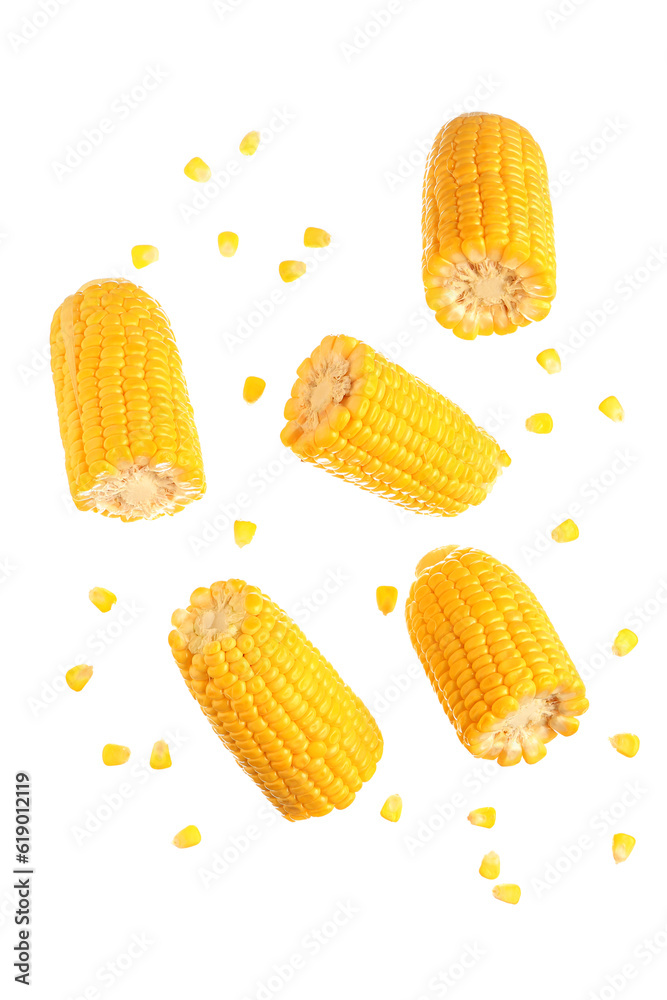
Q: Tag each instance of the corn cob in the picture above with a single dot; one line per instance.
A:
(365, 419)
(487, 230)
(131, 445)
(492, 656)
(293, 725)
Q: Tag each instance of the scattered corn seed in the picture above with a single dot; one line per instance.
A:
(160, 756)
(626, 743)
(244, 532)
(550, 360)
(144, 254)
(253, 388)
(490, 866)
(504, 459)
(249, 143)
(113, 754)
(612, 409)
(290, 270)
(540, 423)
(228, 244)
(507, 893)
(316, 237)
(567, 531)
(77, 677)
(392, 808)
(483, 817)
(197, 170)
(103, 599)
(624, 643)
(622, 846)
(386, 599)
(189, 836)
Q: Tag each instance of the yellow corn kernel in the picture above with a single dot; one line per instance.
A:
(624, 643)
(508, 893)
(244, 532)
(144, 254)
(549, 360)
(290, 270)
(189, 836)
(292, 723)
(197, 170)
(626, 743)
(316, 237)
(249, 143)
(612, 409)
(160, 756)
(113, 754)
(392, 808)
(495, 661)
(77, 677)
(504, 459)
(622, 846)
(103, 599)
(228, 244)
(386, 599)
(540, 423)
(253, 387)
(486, 817)
(567, 531)
(490, 866)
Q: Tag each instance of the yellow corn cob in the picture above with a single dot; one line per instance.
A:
(487, 229)
(365, 419)
(495, 662)
(131, 445)
(293, 725)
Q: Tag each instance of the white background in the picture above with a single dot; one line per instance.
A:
(354, 104)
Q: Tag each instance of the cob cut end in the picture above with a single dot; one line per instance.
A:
(523, 733)
(136, 492)
(214, 615)
(327, 383)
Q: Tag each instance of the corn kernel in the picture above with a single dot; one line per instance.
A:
(160, 756)
(113, 754)
(249, 143)
(103, 599)
(626, 743)
(316, 237)
(144, 254)
(77, 677)
(625, 642)
(490, 866)
(550, 360)
(622, 846)
(504, 460)
(290, 270)
(392, 808)
(253, 388)
(244, 532)
(189, 836)
(540, 423)
(197, 170)
(612, 409)
(483, 817)
(386, 599)
(228, 244)
(567, 531)
(508, 893)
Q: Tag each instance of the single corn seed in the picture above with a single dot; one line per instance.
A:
(622, 846)
(77, 677)
(103, 599)
(316, 237)
(189, 836)
(490, 866)
(290, 270)
(386, 599)
(567, 531)
(486, 817)
(504, 459)
(540, 423)
(612, 409)
(508, 893)
(549, 360)
(249, 143)
(495, 661)
(113, 754)
(160, 756)
(626, 743)
(392, 808)
(244, 532)
(624, 643)
(228, 244)
(253, 387)
(197, 170)
(144, 254)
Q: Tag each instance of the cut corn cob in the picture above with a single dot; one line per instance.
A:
(293, 725)
(625, 743)
(160, 756)
(622, 846)
(485, 816)
(189, 836)
(386, 599)
(102, 598)
(131, 445)
(392, 809)
(366, 420)
(624, 643)
(566, 531)
(508, 893)
(114, 754)
(492, 656)
(540, 423)
(490, 866)
(549, 360)
(77, 677)
(487, 230)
